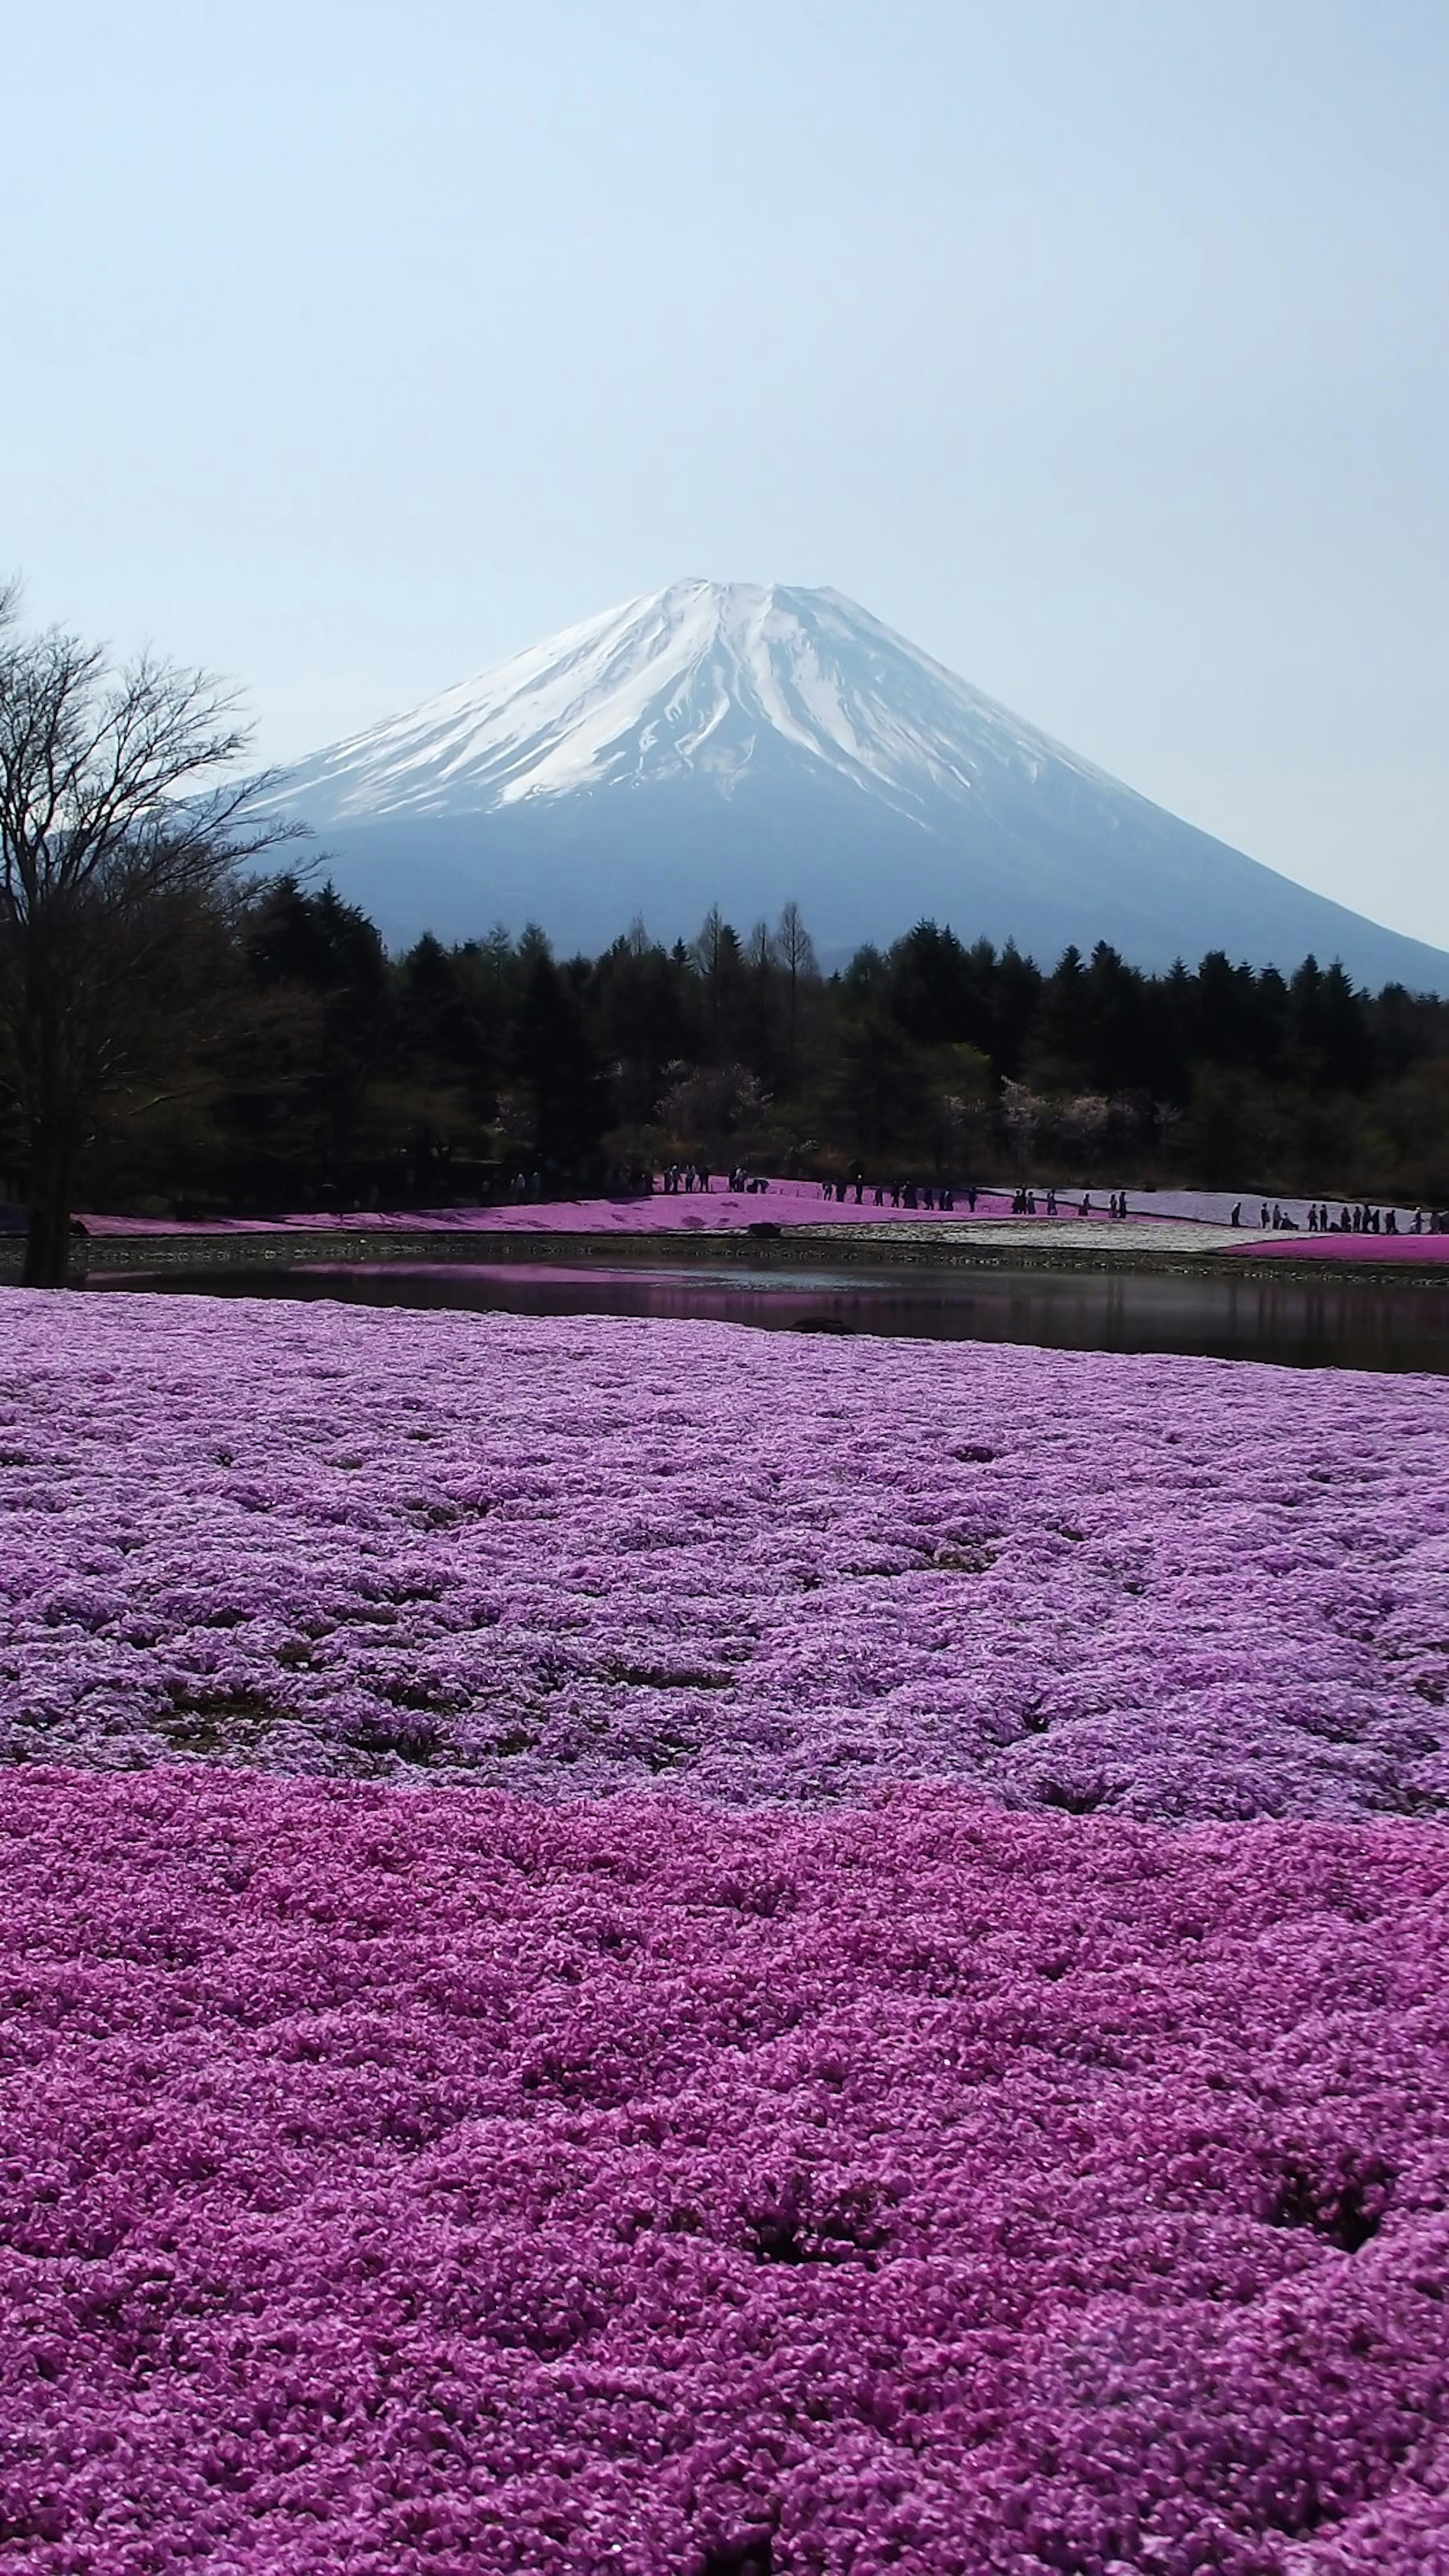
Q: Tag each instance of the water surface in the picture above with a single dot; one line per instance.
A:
(1339, 1324)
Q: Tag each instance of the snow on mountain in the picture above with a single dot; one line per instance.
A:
(688, 681)
(743, 744)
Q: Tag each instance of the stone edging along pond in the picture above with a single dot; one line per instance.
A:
(793, 1246)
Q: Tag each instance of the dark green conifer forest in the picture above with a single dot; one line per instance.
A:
(309, 1069)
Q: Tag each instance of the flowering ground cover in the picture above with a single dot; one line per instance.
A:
(1215, 1207)
(396, 2184)
(582, 1555)
(1405, 1248)
(784, 1202)
(972, 2098)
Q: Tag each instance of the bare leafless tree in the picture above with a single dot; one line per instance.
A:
(118, 837)
(717, 956)
(761, 955)
(796, 951)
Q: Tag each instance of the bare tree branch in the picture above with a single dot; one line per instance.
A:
(120, 835)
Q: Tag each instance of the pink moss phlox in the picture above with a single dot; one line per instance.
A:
(1400, 1250)
(393, 2183)
(584, 1555)
(783, 1202)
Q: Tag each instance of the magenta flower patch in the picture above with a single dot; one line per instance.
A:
(393, 2184)
(585, 1556)
(718, 1210)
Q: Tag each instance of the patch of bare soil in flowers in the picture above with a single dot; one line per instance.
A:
(234, 1723)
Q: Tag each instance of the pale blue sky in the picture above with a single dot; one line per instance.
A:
(1099, 345)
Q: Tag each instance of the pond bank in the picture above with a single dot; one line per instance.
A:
(1151, 1245)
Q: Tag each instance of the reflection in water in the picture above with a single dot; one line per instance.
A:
(1340, 1324)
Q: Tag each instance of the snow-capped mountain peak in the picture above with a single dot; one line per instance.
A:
(747, 744)
(709, 678)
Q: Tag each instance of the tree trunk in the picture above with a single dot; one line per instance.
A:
(47, 1240)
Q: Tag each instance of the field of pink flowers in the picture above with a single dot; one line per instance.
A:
(904, 2028)
(718, 1210)
(783, 1202)
(1407, 1250)
(393, 2185)
(584, 1555)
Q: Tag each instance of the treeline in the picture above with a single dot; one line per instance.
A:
(310, 1068)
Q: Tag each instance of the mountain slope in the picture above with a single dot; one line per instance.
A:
(737, 744)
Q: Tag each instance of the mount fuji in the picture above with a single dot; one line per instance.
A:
(742, 745)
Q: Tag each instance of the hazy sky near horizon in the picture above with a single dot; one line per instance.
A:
(1097, 345)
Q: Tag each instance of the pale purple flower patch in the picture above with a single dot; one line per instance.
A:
(587, 1555)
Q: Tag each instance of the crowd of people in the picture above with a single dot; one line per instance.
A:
(896, 1194)
(1030, 1202)
(1361, 1219)
(946, 1199)
(689, 1177)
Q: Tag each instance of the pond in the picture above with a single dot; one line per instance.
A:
(1335, 1324)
